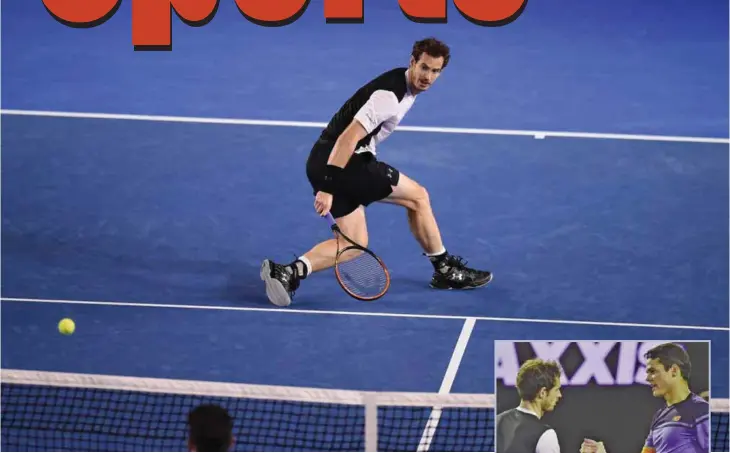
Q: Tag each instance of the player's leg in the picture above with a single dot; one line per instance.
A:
(322, 255)
(450, 272)
(421, 219)
(282, 280)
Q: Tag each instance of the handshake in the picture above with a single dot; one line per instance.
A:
(591, 446)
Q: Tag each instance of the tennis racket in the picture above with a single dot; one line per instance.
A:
(359, 271)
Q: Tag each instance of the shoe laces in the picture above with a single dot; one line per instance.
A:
(456, 262)
(457, 265)
(279, 272)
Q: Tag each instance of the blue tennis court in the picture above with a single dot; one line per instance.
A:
(149, 229)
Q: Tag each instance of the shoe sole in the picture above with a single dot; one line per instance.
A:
(274, 289)
(491, 276)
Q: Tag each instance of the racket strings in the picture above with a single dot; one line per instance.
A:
(362, 274)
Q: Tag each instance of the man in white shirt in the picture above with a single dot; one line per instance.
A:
(520, 430)
(346, 177)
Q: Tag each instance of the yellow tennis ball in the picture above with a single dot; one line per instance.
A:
(66, 326)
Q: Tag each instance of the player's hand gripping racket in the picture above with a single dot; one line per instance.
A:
(359, 271)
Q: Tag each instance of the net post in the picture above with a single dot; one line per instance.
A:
(371, 422)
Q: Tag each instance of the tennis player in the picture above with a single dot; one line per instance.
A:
(683, 424)
(210, 428)
(520, 430)
(346, 177)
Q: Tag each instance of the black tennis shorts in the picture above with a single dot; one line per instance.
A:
(367, 180)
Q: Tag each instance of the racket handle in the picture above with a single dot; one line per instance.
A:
(331, 220)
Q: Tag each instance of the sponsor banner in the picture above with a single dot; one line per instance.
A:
(592, 362)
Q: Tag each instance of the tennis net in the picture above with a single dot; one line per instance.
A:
(44, 411)
(719, 440)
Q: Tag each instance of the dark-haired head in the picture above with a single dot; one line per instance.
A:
(433, 48)
(538, 383)
(210, 428)
(429, 57)
(668, 366)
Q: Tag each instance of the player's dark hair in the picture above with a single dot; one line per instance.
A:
(536, 374)
(669, 354)
(210, 428)
(433, 47)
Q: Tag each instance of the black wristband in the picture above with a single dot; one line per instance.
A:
(332, 178)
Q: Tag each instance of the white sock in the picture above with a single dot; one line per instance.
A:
(307, 264)
(440, 252)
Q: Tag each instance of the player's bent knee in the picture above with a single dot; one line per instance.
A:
(425, 198)
(421, 199)
(410, 195)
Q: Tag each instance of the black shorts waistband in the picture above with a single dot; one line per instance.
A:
(323, 148)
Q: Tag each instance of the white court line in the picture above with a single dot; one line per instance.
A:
(442, 130)
(356, 313)
(448, 381)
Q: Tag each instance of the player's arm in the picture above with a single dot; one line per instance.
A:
(382, 105)
(386, 129)
(649, 446)
(702, 432)
(345, 145)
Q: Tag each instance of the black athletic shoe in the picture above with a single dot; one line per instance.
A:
(458, 276)
(281, 282)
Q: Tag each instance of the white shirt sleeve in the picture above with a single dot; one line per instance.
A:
(381, 106)
(548, 442)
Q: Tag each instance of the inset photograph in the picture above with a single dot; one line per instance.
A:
(603, 396)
